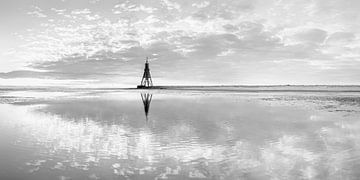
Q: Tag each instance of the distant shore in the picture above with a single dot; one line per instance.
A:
(265, 88)
(225, 88)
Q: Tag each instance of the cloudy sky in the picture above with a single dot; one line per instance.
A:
(104, 42)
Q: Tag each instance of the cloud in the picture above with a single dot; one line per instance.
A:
(81, 11)
(197, 36)
(94, 1)
(340, 37)
(171, 5)
(201, 4)
(37, 12)
(126, 7)
(26, 73)
(311, 36)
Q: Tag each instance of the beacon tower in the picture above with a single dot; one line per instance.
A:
(146, 81)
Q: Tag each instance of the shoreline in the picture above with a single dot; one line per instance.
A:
(235, 88)
(261, 88)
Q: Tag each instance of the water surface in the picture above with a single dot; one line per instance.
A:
(179, 135)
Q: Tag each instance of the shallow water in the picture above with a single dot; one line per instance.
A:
(179, 135)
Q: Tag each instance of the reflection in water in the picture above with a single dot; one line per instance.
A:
(190, 137)
(146, 99)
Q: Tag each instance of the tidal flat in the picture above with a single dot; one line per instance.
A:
(176, 134)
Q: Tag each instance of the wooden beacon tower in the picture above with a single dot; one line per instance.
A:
(146, 81)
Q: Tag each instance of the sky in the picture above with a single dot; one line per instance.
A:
(104, 43)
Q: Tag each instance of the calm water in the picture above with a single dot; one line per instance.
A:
(178, 135)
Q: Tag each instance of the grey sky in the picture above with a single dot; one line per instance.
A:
(104, 43)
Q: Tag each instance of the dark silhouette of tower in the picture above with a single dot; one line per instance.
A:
(146, 99)
(146, 81)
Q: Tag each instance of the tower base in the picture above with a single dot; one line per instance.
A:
(144, 87)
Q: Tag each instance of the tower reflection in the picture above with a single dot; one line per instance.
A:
(146, 99)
